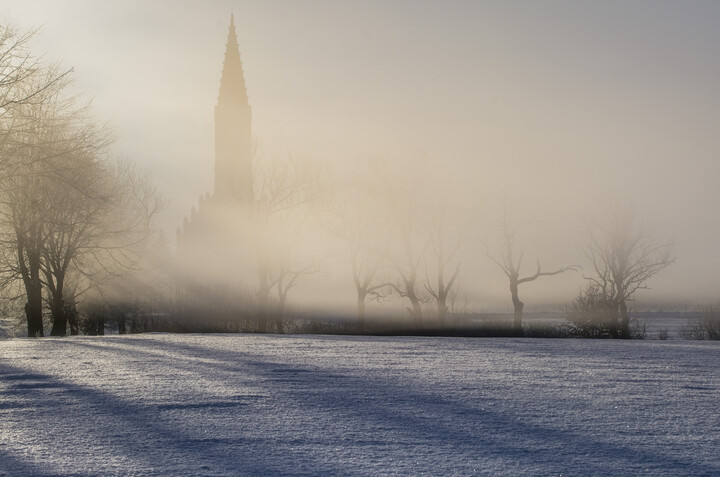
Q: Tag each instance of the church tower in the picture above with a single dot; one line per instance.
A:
(213, 292)
(233, 129)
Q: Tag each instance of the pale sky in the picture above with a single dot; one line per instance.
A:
(563, 106)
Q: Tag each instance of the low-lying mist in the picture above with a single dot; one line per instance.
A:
(392, 238)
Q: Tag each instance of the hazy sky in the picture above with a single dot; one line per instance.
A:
(562, 106)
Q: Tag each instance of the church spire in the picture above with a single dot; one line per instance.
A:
(232, 81)
(233, 129)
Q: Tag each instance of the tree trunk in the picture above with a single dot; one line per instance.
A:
(30, 272)
(101, 326)
(262, 311)
(517, 308)
(280, 312)
(624, 320)
(416, 311)
(442, 308)
(441, 290)
(263, 299)
(361, 311)
(33, 310)
(122, 325)
(59, 327)
(71, 315)
(279, 320)
(134, 325)
(518, 317)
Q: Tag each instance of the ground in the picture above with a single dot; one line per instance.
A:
(178, 405)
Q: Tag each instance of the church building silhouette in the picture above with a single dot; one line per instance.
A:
(212, 255)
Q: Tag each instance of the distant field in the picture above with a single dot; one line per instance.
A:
(188, 405)
(655, 322)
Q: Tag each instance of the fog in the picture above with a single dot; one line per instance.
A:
(550, 114)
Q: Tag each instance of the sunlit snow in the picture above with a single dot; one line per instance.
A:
(321, 405)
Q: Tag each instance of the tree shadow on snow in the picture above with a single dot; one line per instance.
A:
(325, 419)
(408, 418)
(139, 432)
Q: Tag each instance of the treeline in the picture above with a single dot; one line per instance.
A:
(398, 240)
(71, 219)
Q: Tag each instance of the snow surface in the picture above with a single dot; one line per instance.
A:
(330, 405)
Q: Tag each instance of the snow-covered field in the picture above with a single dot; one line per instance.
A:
(321, 405)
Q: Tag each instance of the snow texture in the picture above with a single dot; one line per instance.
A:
(324, 405)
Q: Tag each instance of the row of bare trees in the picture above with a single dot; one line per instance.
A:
(402, 240)
(70, 219)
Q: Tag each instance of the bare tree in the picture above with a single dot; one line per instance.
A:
(358, 224)
(73, 216)
(364, 274)
(31, 150)
(143, 290)
(72, 220)
(280, 264)
(24, 80)
(511, 267)
(94, 233)
(408, 269)
(286, 278)
(24, 84)
(285, 193)
(404, 195)
(22, 241)
(623, 258)
(444, 253)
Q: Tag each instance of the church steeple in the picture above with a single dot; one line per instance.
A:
(232, 81)
(233, 129)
